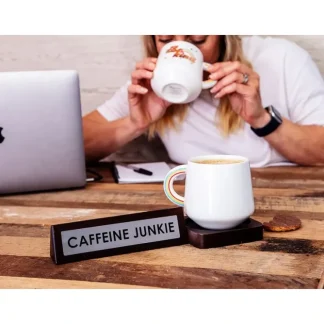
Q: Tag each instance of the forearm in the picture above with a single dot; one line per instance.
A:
(299, 144)
(102, 138)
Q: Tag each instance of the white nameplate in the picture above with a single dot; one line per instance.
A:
(119, 235)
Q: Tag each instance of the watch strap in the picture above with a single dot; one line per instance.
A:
(267, 129)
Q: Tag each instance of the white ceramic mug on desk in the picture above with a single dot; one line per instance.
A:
(218, 190)
(178, 76)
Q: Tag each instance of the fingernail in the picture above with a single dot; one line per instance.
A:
(144, 90)
(152, 66)
(213, 90)
(149, 74)
(215, 75)
(217, 95)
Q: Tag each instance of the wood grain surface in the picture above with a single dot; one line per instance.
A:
(281, 260)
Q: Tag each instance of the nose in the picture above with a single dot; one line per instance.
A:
(179, 38)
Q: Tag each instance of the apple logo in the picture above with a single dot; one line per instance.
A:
(1, 136)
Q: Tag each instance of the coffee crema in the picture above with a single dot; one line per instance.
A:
(218, 161)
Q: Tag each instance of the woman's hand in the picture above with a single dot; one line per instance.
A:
(241, 84)
(145, 106)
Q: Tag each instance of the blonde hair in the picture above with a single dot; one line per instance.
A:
(229, 121)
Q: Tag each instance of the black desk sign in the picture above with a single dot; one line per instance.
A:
(108, 236)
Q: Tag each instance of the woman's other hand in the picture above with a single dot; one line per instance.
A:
(241, 84)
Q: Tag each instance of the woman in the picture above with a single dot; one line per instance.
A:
(268, 105)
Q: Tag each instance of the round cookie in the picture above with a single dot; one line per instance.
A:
(282, 224)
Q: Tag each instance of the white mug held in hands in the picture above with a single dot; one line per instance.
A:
(218, 190)
(178, 76)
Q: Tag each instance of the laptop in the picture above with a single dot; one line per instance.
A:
(41, 139)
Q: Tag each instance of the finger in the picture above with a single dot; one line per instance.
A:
(233, 77)
(136, 89)
(148, 64)
(235, 87)
(214, 67)
(230, 68)
(149, 59)
(139, 75)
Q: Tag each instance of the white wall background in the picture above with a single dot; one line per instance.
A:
(104, 62)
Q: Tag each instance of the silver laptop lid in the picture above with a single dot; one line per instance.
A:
(41, 141)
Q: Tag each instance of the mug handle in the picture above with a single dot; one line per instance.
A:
(168, 185)
(208, 83)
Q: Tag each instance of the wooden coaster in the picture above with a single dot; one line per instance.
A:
(249, 231)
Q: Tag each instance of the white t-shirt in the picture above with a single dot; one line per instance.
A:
(289, 80)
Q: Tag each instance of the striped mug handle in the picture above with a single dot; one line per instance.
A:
(168, 185)
(208, 83)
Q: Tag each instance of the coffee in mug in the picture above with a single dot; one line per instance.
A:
(178, 75)
(218, 190)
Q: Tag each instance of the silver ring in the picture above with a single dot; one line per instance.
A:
(245, 78)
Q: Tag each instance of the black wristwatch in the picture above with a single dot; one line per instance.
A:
(274, 123)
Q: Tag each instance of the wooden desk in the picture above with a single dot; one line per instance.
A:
(282, 260)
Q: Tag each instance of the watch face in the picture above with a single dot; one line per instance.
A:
(275, 114)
